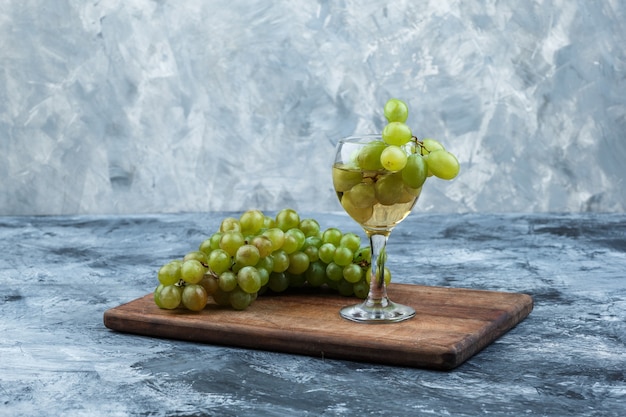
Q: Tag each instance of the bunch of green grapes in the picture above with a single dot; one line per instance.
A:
(256, 253)
(430, 156)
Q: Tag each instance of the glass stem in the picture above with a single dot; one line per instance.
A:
(378, 290)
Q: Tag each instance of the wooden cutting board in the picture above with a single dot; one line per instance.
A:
(450, 326)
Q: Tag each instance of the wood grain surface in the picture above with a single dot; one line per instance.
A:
(450, 326)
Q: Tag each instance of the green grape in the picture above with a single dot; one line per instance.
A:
(430, 174)
(352, 273)
(210, 283)
(387, 274)
(298, 263)
(415, 192)
(443, 164)
(361, 215)
(169, 273)
(268, 222)
(219, 261)
(170, 297)
(326, 252)
(287, 219)
(249, 279)
(397, 134)
(393, 158)
(296, 280)
(266, 263)
(430, 145)
(362, 195)
(205, 246)
(231, 241)
(227, 281)
(312, 252)
(235, 267)
(251, 221)
(239, 299)
(298, 235)
(389, 189)
(343, 256)
(409, 194)
(311, 247)
(351, 240)
(396, 110)
(290, 244)
(334, 272)
(194, 297)
(281, 261)
(345, 288)
(197, 255)
(247, 255)
(316, 274)
(368, 159)
(277, 236)
(178, 262)
(344, 178)
(215, 240)
(313, 241)
(263, 244)
(361, 289)
(310, 227)
(230, 224)
(364, 254)
(415, 172)
(221, 297)
(157, 295)
(192, 271)
(264, 274)
(332, 235)
(278, 282)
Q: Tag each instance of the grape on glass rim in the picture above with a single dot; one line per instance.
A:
(397, 133)
(396, 110)
(393, 158)
(443, 165)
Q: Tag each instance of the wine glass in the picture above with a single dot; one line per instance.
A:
(378, 200)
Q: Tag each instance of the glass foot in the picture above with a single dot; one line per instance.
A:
(367, 312)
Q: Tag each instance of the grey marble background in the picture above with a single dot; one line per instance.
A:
(140, 106)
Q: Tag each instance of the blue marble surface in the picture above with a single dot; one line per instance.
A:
(59, 274)
(142, 106)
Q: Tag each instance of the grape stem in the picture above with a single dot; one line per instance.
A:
(421, 146)
(419, 143)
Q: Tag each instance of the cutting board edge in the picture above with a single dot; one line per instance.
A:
(439, 357)
(323, 347)
(508, 320)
